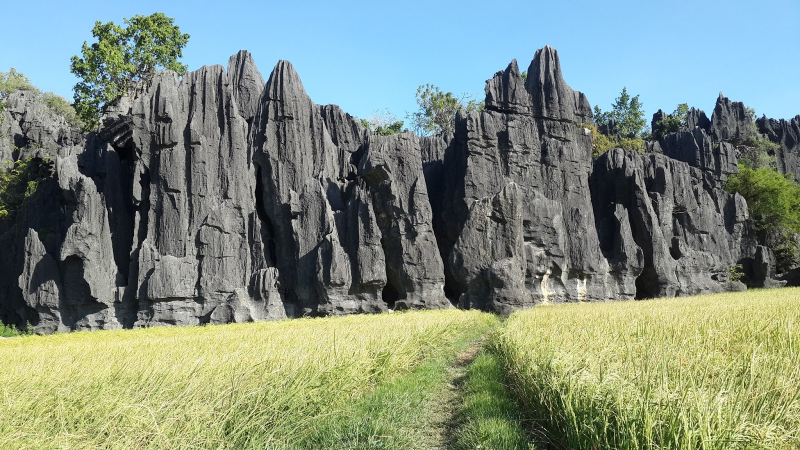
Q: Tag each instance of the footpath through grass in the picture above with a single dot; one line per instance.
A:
(711, 372)
(487, 416)
(263, 385)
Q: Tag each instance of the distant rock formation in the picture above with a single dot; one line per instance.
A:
(217, 198)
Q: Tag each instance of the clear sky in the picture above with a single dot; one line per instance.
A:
(372, 55)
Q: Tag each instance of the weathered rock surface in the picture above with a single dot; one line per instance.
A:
(219, 197)
(785, 133)
(730, 121)
(543, 151)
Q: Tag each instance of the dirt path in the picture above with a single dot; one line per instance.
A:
(443, 406)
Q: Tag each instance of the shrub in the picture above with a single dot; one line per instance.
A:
(671, 122)
(759, 153)
(774, 203)
(383, 123)
(13, 81)
(61, 107)
(602, 143)
(9, 331)
(17, 185)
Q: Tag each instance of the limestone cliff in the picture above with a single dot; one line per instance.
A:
(219, 197)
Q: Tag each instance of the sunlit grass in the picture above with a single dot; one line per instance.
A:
(711, 372)
(489, 417)
(260, 385)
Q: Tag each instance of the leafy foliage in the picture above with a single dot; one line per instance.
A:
(774, 203)
(759, 153)
(627, 114)
(16, 185)
(124, 57)
(383, 124)
(750, 112)
(437, 110)
(12, 331)
(13, 81)
(602, 143)
(671, 122)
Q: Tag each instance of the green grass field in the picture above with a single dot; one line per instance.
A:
(711, 372)
(261, 385)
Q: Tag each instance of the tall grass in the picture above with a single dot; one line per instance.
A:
(260, 385)
(711, 372)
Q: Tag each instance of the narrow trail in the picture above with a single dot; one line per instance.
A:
(443, 407)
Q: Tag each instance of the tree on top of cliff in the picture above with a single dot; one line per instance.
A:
(123, 58)
(383, 123)
(627, 114)
(437, 110)
(671, 123)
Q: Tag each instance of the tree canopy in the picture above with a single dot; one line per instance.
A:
(437, 110)
(774, 204)
(627, 114)
(124, 57)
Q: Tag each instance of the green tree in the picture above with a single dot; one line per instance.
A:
(627, 114)
(671, 122)
(774, 204)
(124, 57)
(437, 110)
(383, 123)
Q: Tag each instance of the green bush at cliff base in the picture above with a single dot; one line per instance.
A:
(774, 204)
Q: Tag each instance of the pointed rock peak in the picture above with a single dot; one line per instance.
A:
(505, 92)
(242, 65)
(552, 97)
(247, 82)
(730, 121)
(286, 72)
(284, 82)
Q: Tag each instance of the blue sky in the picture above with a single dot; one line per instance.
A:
(372, 55)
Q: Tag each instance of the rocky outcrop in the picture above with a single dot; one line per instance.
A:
(785, 133)
(730, 121)
(546, 154)
(219, 197)
(688, 230)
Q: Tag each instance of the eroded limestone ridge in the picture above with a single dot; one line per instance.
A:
(218, 197)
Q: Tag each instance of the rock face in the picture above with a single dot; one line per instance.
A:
(219, 197)
(529, 143)
(785, 133)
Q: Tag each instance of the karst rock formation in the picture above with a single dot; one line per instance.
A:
(219, 197)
